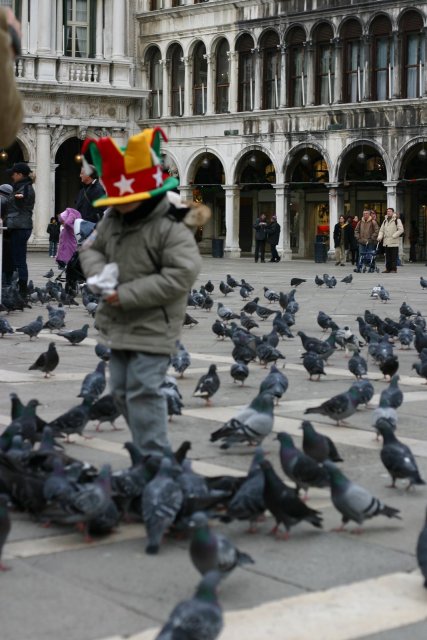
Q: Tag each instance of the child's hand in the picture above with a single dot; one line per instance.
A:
(113, 299)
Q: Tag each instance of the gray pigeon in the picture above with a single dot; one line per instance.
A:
(314, 364)
(423, 282)
(239, 372)
(210, 551)
(275, 383)
(173, 396)
(299, 467)
(365, 391)
(33, 328)
(225, 313)
(248, 501)
(250, 425)
(397, 457)
(105, 410)
(5, 526)
(47, 361)
(49, 274)
(318, 446)
(384, 411)
(200, 617)
(73, 421)
(207, 385)
(421, 551)
(75, 336)
(338, 407)
(406, 337)
(5, 327)
(392, 395)
(358, 366)
(161, 501)
(180, 360)
(353, 501)
(94, 383)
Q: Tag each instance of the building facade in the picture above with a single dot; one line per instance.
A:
(302, 108)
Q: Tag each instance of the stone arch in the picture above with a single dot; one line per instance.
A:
(236, 163)
(301, 146)
(403, 152)
(363, 142)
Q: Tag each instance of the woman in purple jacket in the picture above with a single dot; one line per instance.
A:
(67, 240)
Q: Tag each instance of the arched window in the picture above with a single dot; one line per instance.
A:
(177, 81)
(297, 68)
(325, 64)
(245, 99)
(354, 74)
(382, 59)
(155, 82)
(413, 61)
(200, 79)
(270, 52)
(222, 82)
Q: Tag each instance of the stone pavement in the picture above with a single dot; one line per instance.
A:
(317, 584)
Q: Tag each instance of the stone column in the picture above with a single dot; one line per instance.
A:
(99, 31)
(44, 21)
(59, 27)
(365, 68)
(186, 192)
(25, 27)
(282, 213)
(256, 79)
(391, 193)
(397, 65)
(119, 31)
(333, 214)
(209, 107)
(310, 97)
(232, 201)
(44, 187)
(165, 87)
(187, 86)
(423, 53)
(283, 100)
(232, 95)
(338, 75)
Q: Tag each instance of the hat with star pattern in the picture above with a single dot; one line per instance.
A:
(131, 173)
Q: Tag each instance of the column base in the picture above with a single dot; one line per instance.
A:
(331, 255)
(232, 252)
(286, 255)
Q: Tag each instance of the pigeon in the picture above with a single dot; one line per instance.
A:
(266, 354)
(207, 385)
(49, 274)
(314, 365)
(161, 501)
(47, 361)
(321, 347)
(209, 286)
(33, 328)
(406, 310)
(392, 395)
(420, 340)
(173, 396)
(247, 321)
(284, 504)
(324, 321)
(338, 407)
(250, 307)
(220, 329)
(348, 279)
(281, 327)
(250, 425)
(388, 366)
(94, 383)
(247, 286)
(423, 282)
(225, 313)
(263, 312)
(104, 409)
(330, 281)
(232, 282)
(244, 293)
(421, 551)
(397, 458)
(247, 502)
(270, 295)
(5, 526)
(299, 467)
(73, 421)
(213, 551)
(319, 281)
(364, 390)
(75, 336)
(239, 372)
(383, 294)
(295, 282)
(225, 288)
(353, 501)
(275, 383)
(200, 617)
(318, 446)
(5, 327)
(421, 369)
(103, 352)
(189, 321)
(406, 337)
(358, 366)
(180, 360)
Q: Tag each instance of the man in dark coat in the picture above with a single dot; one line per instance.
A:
(91, 190)
(260, 227)
(273, 235)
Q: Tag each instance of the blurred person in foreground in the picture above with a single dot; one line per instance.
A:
(143, 259)
(10, 99)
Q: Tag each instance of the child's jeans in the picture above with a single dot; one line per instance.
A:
(52, 248)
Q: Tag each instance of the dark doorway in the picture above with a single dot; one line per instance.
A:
(8, 157)
(246, 230)
(67, 174)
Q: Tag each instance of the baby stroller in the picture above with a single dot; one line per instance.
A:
(368, 262)
(72, 272)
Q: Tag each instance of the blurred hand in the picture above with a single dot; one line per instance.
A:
(113, 299)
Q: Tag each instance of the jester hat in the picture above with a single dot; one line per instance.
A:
(131, 173)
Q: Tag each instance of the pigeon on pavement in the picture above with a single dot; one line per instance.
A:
(103, 352)
(314, 365)
(207, 385)
(32, 329)
(423, 282)
(270, 295)
(200, 617)
(250, 425)
(421, 551)
(47, 361)
(105, 410)
(295, 282)
(397, 457)
(225, 288)
(73, 421)
(318, 446)
(232, 282)
(189, 321)
(239, 371)
(299, 467)
(393, 395)
(213, 551)
(353, 501)
(275, 383)
(406, 337)
(358, 366)
(247, 502)
(5, 327)
(365, 390)
(225, 313)
(94, 383)
(338, 407)
(180, 360)
(5, 526)
(49, 274)
(348, 279)
(319, 281)
(76, 335)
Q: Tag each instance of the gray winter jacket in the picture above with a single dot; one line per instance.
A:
(20, 210)
(158, 261)
(390, 231)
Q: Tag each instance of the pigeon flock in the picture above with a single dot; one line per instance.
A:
(162, 490)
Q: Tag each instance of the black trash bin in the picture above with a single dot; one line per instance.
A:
(321, 249)
(217, 248)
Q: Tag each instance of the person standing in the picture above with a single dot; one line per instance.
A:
(53, 230)
(260, 227)
(366, 234)
(340, 241)
(67, 240)
(273, 235)
(6, 265)
(350, 242)
(147, 239)
(19, 214)
(91, 190)
(390, 232)
(355, 255)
